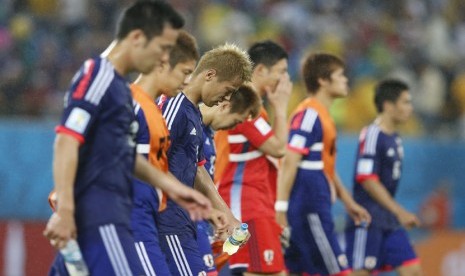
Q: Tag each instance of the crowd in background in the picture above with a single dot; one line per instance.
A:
(43, 43)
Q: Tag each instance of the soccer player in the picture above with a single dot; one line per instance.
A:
(94, 152)
(246, 170)
(153, 141)
(243, 104)
(384, 244)
(218, 74)
(308, 181)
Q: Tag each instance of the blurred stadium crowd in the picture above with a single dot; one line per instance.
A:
(43, 42)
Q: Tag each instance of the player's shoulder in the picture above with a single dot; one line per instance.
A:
(175, 109)
(369, 137)
(305, 119)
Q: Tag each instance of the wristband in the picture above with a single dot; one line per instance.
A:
(281, 206)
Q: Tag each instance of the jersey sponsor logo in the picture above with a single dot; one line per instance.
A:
(365, 166)
(298, 141)
(208, 260)
(78, 120)
(370, 262)
(391, 152)
(263, 127)
(193, 131)
(268, 255)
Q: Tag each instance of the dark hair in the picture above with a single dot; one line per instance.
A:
(244, 98)
(319, 66)
(388, 91)
(267, 53)
(184, 50)
(148, 16)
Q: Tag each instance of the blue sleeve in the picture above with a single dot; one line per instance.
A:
(82, 101)
(305, 130)
(143, 134)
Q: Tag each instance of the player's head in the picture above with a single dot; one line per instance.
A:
(149, 30)
(243, 104)
(325, 72)
(222, 70)
(392, 97)
(270, 64)
(172, 76)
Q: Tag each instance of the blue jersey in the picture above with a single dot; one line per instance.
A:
(209, 150)
(380, 158)
(185, 154)
(311, 186)
(98, 112)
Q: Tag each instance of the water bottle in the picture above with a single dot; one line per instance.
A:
(73, 259)
(231, 245)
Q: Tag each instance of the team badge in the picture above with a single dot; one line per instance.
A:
(208, 260)
(370, 262)
(268, 255)
(342, 259)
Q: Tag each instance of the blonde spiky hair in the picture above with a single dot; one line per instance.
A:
(229, 61)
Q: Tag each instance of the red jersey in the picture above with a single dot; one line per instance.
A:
(246, 178)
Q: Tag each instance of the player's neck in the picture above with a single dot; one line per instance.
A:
(117, 56)
(324, 98)
(193, 91)
(193, 94)
(207, 114)
(386, 124)
(149, 85)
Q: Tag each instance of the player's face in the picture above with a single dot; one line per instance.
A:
(338, 86)
(156, 50)
(215, 91)
(403, 108)
(224, 119)
(177, 78)
(275, 73)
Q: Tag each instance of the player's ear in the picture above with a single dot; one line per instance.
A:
(137, 37)
(210, 74)
(261, 70)
(223, 105)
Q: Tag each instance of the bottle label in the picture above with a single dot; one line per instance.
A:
(233, 241)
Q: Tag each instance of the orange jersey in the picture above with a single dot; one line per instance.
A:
(153, 140)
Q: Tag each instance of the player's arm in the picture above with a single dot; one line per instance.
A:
(61, 226)
(204, 184)
(355, 210)
(279, 99)
(381, 195)
(286, 177)
(194, 202)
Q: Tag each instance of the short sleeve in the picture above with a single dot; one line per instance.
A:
(305, 131)
(257, 131)
(82, 101)
(143, 134)
(368, 158)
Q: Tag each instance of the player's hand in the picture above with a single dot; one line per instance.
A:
(285, 237)
(279, 97)
(358, 214)
(60, 228)
(198, 206)
(219, 220)
(407, 219)
(281, 219)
